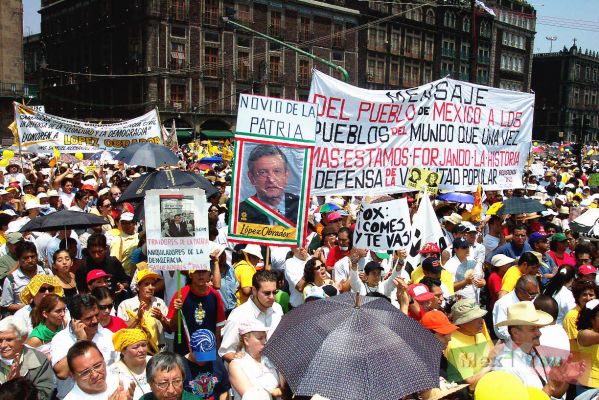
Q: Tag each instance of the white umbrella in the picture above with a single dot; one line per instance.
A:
(586, 224)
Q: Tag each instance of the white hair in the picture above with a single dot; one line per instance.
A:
(16, 324)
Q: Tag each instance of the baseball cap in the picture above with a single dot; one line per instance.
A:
(42, 195)
(203, 345)
(251, 326)
(96, 274)
(587, 269)
(437, 321)
(146, 273)
(501, 260)
(31, 204)
(535, 237)
(382, 255)
(315, 292)
(127, 216)
(371, 266)
(559, 237)
(14, 237)
(432, 264)
(460, 243)
(52, 193)
(420, 292)
(470, 227)
(333, 216)
(430, 248)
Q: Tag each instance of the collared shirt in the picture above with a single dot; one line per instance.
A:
(500, 314)
(121, 247)
(294, 272)
(531, 370)
(247, 312)
(112, 383)
(12, 289)
(228, 288)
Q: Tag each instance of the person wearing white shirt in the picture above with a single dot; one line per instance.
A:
(84, 325)
(467, 272)
(559, 288)
(554, 342)
(527, 288)
(92, 379)
(294, 274)
(261, 306)
(373, 282)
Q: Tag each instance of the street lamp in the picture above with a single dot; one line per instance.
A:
(551, 40)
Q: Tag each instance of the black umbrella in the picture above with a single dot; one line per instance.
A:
(167, 179)
(373, 351)
(520, 205)
(64, 219)
(147, 154)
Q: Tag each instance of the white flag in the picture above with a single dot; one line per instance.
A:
(485, 7)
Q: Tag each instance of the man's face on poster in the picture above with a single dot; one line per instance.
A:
(177, 219)
(269, 175)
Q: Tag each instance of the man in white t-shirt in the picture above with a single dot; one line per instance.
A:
(294, 273)
(84, 325)
(92, 379)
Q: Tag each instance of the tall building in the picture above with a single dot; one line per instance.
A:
(566, 84)
(115, 59)
(12, 86)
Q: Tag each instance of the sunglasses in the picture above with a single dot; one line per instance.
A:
(105, 306)
(44, 289)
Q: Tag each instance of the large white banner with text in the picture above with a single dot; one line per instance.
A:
(369, 139)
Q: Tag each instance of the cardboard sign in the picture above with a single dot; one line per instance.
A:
(383, 226)
(423, 179)
(177, 229)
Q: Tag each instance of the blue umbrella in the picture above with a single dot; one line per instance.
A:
(147, 154)
(457, 197)
(211, 159)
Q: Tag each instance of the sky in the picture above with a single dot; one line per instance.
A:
(571, 13)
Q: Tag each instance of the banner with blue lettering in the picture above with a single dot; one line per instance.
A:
(467, 133)
(270, 188)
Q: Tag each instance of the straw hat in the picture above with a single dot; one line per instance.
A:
(438, 393)
(525, 314)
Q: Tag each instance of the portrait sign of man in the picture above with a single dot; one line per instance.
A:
(268, 172)
(178, 228)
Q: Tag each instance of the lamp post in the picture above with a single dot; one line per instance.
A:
(551, 40)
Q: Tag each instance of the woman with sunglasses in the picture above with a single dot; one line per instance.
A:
(62, 266)
(105, 308)
(38, 287)
(104, 210)
(48, 318)
(315, 274)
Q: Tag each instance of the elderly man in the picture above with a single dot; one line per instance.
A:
(527, 289)
(521, 358)
(268, 171)
(92, 380)
(261, 306)
(165, 374)
(18, 360)
(84, 325)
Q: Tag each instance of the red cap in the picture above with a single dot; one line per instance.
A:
(96, 274)
(430, 248)
(88, 187)
(333, 216)
(587, 269)
(420, 292)
(437, 321)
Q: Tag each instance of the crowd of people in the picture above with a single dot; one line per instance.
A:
(84, 317)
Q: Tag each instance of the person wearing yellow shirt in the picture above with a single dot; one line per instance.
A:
(468, 351)
(123, 245)
(433, 250)
(583, 290)
(245, 270)
(588, 345)
(528, 264)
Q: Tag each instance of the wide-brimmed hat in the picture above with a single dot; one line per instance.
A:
(34, 285)
(440, 393)
(466, 310)
(454, 218)
(500, 260)
(254, 250)
(525, 314)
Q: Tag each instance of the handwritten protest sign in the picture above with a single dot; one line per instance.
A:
(177, 229)
(383, 226)
(271, 175)
(40, 132)
(423, 179)
(369, 139)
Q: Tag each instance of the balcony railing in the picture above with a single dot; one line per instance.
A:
(303, 81)
(212, 71)
(464, 76)
(483, 59)
(9, 89)
(175, 105)
(447, 52)
(210, 17)
(465, 55)
(243, 74)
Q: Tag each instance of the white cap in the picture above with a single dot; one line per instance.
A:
(254, 250)
(127, 216)
(547, 213)
(42, 195)
(251, 326)
(501, 259)
(31, 204)
(470, 226)
(103, 191)
(52, 193)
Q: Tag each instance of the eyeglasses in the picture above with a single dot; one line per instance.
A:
(44, 289)
(106, 306)
(177, 383)
(270, 293)
(317, 267)
(98, 368)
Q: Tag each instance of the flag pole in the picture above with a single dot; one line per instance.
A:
(180, 311)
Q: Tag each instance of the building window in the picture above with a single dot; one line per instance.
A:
(587, 73)
(511, 62)
(511, 85)
(338, 35)
(485, 29)
(275, 23)
(446, 69)
(243, 65)
(303, 78)
(212, 99)
(513, 40)
(377, 37)
(211, 61)
(244, 12)
(376, 69)
(338, 56)
(394, 73)
(429, 47)
(177, 56)
(305, 29)
(466, 24)
(274, 69)
(413, 42)
(210, 16)
(430, 17)
(484, 55)
(411, 74)
(448, 48)
(210, 36)
(178, 96)
(428, 73)
(577, 71)
(243, 41)
(464, 72)
(179, 9)
(414, 13)
(465, 51)
(178, 31)
(449, 19)
(482, 76)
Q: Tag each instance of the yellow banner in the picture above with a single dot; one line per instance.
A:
(265, 231)
(421, 179)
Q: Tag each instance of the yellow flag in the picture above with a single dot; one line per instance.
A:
(56, 157)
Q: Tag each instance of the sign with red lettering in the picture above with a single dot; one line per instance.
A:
(469, 134)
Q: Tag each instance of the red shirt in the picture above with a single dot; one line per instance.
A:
(335, 254)
(116, 324)
(568, 259)
(494, 283)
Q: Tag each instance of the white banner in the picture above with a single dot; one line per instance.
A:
(383, 226)
(39, 132)
(177, 229)
(369, 139)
